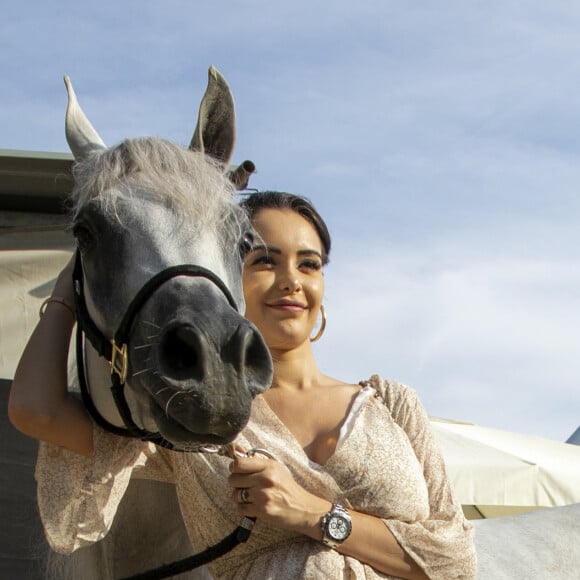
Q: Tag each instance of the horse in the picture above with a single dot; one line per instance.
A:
(157, 286)
(159, 301)
(535, 545)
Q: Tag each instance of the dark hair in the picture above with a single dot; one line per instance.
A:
(302, 206)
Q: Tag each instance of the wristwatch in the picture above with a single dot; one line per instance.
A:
(336, 526)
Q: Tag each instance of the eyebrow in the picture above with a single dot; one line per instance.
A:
(275, 250)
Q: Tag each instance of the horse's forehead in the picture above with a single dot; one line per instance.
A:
(180, 195)
(161, 218)
(163, 233)
(132, 207)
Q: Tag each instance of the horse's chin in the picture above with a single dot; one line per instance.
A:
(183, 437)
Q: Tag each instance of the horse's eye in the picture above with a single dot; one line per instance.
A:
(83, 236)
(246, 244)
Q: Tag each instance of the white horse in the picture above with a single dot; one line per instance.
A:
(159, 303)
(158, 287)
(537, 545)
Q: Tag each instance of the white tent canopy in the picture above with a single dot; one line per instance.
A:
(499, 472)
(30, 259)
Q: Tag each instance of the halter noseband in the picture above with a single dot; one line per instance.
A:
(114, 350)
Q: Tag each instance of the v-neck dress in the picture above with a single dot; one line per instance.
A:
(386, 463)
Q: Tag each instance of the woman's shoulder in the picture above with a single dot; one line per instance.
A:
(394, 393)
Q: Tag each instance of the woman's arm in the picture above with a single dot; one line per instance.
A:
(40, 405)
(276, 498)
(443, 544)
(82, 471)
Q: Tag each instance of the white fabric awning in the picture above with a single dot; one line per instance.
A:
(30, 260)
(491, 467)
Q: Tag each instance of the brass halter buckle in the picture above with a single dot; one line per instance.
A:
(119, 362)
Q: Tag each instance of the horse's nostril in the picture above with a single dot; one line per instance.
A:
(251, 357)
(181, 353)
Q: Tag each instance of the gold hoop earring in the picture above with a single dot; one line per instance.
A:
(322, 325)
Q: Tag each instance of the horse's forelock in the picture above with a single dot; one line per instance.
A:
(185, 180)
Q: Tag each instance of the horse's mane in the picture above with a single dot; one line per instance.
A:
(187, 180)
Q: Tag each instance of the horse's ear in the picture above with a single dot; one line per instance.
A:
(80, 134)
(240, 175)
(215, 133)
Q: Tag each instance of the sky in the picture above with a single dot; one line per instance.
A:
(438, 140)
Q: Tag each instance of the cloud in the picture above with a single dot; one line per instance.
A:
(488, 340)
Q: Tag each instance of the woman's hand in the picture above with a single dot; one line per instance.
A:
(274, 496)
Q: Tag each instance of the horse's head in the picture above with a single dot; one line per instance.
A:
(161, 244)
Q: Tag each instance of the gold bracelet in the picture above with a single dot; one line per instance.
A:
(58, 300)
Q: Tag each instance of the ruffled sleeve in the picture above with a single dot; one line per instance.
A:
(78, 496)
(443, 544)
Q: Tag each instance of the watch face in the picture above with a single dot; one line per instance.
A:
(338, 528)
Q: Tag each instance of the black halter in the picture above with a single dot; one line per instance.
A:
(115, 352)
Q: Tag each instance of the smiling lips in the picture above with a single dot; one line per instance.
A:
(289, 305)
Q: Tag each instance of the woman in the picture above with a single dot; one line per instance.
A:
(358, 487)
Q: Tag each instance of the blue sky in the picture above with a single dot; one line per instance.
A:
(438, 139)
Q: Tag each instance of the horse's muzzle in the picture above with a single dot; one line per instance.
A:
(205, 380)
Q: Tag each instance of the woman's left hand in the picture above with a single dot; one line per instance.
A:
(277, 499)
(274, 496)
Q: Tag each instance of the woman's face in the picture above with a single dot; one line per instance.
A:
(283, 281)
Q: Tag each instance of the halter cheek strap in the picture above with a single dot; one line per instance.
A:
(114, 350)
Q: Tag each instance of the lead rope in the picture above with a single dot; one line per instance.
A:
(237, 537)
